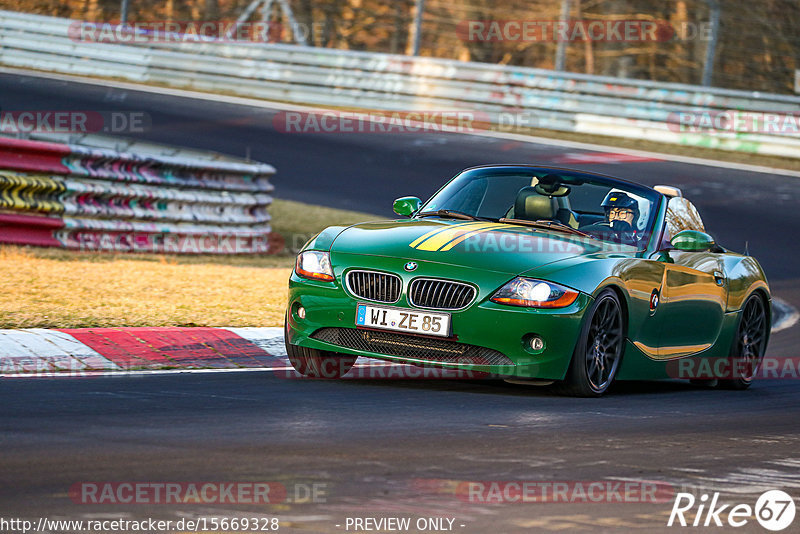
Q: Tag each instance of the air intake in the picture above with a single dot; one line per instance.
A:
(440, 294)
(370, 285)
(411, 347)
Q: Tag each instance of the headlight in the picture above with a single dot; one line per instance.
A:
(314, 265)
(534, 294)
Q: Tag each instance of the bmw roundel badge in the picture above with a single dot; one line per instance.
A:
(410, 266)
(654, 298)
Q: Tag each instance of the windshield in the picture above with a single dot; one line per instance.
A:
(603, 208)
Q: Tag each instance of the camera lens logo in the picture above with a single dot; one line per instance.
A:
(775, 510)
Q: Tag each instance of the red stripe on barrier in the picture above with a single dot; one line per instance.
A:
(29, 230)
(158, 348)
(38, 156)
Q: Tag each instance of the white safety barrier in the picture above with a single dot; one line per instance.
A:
(515, 97)
(94, 194)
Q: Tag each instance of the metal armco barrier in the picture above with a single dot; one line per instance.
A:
(541, 98)
(145, 199)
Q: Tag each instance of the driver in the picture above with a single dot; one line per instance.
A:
(622, 212)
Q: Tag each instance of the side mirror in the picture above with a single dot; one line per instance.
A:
(692, 241)
(407, 206)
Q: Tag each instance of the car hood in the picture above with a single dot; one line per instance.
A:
(482, 245)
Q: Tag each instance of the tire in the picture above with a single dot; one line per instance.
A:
(599, 349)
(749, 343)
(317, 363)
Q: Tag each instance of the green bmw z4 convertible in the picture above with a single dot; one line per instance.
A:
(537, 274)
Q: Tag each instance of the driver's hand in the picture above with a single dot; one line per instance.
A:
(621, 226)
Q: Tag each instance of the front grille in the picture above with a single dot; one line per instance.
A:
(440, 294)
(406, 346)
(370, 285)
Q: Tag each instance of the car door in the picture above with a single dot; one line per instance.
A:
(693, 295)
(692, 303)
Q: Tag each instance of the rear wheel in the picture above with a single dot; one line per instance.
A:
(599, 350)
(317, 363)
(749, 343)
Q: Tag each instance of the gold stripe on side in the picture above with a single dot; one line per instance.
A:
(670, 353)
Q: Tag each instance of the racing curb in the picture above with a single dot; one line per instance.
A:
(87, 351)
(43, 352)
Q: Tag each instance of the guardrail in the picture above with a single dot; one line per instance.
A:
(317, 76)
(145, 198)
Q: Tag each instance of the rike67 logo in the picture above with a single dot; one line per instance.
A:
(774, 510)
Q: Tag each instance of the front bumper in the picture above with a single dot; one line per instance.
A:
(483, 325)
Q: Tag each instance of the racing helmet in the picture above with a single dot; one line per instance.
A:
(619, 199)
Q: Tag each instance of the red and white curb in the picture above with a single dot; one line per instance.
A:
(91, 351)
(42, 352)
(38, 352)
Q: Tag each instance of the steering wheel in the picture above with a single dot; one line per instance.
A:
(617, 231)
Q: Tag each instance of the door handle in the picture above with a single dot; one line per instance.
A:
(719, 278)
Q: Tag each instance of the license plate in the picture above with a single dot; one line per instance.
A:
(402, 320)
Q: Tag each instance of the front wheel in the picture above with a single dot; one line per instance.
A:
(317, 363)
(599, 350)
(750, 343)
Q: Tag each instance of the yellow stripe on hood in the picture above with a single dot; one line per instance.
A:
(425, 236)
(466, 236)
(433, 241)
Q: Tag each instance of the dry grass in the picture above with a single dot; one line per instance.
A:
(52, 288)
(46, 292)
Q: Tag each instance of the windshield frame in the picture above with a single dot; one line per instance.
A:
(656, 228)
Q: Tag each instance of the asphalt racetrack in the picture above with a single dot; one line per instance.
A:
(392, 448)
